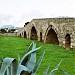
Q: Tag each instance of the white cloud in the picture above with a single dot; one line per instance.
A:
(17, 12)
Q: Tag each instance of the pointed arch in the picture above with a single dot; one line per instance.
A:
(67, 41)
(41, 36)
(25, 36)
(33, 34)
(51, 37)
(20, 35)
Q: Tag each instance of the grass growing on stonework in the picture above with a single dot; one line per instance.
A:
(11, 46)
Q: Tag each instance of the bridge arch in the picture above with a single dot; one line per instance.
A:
(25, 36)
(51, 35)
(40, 36)
(20, 35)
(33, 34)
(67, 41)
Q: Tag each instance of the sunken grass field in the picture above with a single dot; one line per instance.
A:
(12, 46)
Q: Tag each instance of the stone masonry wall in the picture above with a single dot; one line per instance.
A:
(60, 26)
(8, 34)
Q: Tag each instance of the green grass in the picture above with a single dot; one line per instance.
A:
(11, 46)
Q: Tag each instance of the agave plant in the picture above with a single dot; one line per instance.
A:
(27, 65)
(55, 69)
(8, 67)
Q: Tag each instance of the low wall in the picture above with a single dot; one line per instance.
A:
(8, 34)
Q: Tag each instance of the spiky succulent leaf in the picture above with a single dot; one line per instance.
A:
(18, 58)
(22, 68)
(6, 63)
(29, 48)
(38, 64)
(56, 68)
(32, 61)
(46, 71)
(0, 64)
(23, 61)
(29, 53)
(64, 72)
(33, 46)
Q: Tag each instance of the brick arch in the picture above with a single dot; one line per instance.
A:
(51, 35)
(33, 35)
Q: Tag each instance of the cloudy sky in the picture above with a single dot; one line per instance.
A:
(17, 12)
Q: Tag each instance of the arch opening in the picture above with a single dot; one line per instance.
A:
(41, 36)
(20, 35)
(25, 35)
(33, 34)
(52, 37)
(67, 41)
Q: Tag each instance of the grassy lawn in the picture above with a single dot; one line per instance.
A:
(11, 46)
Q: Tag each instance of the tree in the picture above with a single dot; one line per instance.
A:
(3, 31)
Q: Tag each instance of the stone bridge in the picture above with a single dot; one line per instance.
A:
(60, 31)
